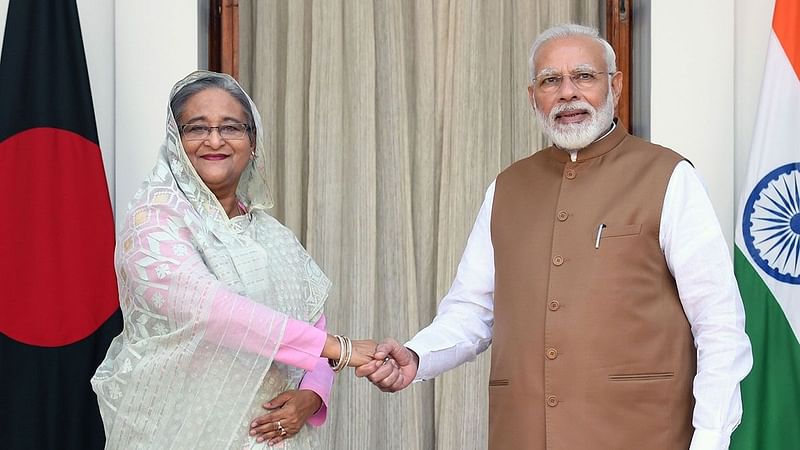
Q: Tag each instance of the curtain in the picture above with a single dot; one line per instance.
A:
(385, 122)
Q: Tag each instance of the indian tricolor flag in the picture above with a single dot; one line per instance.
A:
(767, 253)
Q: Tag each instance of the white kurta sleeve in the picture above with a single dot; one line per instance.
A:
(699, 259)
(462, 327)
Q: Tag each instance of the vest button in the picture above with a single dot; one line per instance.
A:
(570, 174)
(551, 353)
(552, 400)
(558, 260)
(562, 215)
(553, 305)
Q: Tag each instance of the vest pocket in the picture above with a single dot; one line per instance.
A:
(621, 230)
(499, 382)
(642, 376)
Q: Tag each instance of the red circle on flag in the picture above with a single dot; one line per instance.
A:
(56, 238)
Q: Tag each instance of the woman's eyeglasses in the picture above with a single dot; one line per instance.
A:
(199, 132)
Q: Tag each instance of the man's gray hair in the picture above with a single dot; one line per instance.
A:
(570, 30)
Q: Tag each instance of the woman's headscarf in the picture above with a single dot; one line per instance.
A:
(195, 287)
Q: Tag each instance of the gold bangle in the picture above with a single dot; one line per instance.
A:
(349, 353)
(338, 367)
(339, 364)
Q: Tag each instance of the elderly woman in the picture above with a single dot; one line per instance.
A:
(222, 305)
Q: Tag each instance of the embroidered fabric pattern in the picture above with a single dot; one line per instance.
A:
(179, 376)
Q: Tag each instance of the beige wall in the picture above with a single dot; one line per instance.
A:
(155, 45)
(692, 92)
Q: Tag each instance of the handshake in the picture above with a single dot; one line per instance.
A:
(388, 365)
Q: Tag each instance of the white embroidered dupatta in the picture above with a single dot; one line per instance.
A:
(179, 376)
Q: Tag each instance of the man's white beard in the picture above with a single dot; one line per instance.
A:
(575, 136)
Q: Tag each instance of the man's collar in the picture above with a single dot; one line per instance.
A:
(613, 125)
(600, 146)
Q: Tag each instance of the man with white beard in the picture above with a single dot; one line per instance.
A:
(598, 272)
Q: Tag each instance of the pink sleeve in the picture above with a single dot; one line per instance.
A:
(230, 316)
(319, 380)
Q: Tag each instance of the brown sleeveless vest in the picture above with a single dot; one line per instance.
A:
(591, 348)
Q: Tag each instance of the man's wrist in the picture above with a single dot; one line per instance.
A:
(414, 356)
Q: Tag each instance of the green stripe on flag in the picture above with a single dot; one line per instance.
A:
(771, 393)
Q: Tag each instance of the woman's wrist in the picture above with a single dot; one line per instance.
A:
(315, 397)
(332, 349)
(338, 350)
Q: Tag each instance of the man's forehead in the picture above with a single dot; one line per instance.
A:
(569, 54)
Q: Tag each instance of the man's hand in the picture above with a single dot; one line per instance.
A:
(393, 368)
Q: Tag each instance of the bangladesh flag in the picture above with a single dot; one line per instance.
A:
(767, 253)
(58, 304)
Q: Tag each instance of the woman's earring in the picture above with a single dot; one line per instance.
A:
(252, 155)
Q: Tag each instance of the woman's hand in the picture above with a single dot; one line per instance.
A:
(363, 350)
(289, 411)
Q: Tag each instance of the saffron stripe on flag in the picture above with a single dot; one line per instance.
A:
(786, 25)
